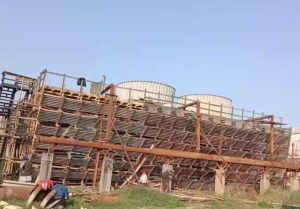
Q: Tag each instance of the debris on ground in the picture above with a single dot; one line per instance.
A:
(6, 205)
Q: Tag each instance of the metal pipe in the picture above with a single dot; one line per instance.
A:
(110, 87)
(171, 153)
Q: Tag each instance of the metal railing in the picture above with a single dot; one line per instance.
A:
(66, 82)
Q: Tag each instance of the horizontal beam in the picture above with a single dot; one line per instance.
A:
(260, 118)
(170, 153)
(188, 105)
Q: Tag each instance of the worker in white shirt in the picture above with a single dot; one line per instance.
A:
(144, 179)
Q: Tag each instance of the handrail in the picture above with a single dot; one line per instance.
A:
(165, 99)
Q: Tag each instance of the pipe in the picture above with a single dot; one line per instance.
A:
(110, 87)
(171, 153)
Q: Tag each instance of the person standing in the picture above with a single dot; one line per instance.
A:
(167, 174)
(25, 174)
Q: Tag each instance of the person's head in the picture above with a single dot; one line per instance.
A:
(143, 173)
(25, 158)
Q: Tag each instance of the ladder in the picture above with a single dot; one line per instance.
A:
(14, 88)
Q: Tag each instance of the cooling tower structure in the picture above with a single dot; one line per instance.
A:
(149, 90)
(210, 104)
(82, 129)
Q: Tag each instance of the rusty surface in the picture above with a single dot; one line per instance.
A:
(11, 191)
(172, 153)
(96, 167)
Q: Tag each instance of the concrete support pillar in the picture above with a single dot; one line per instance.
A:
(220, 182)
(294, 183)
(264, 182)
(106, 175)
(46, 167)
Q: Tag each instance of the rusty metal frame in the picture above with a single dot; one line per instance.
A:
(198, 121)
(272, 122)
(112, 99)
(167, 133)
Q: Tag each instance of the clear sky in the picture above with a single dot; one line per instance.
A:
(246, 50)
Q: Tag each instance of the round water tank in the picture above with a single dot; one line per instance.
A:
(134, 90)
(210, 104)
(295, 139)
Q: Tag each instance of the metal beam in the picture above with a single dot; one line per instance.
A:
(187, 105)
(259, 118)
(171, 153)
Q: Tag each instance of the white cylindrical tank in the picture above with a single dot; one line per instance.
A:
(210, 104)
(295, 138)
(135, 90)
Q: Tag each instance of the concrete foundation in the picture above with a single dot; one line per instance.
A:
(294, 183)
(46, 166)
(264, 182)
(106, 175)
(220, 182)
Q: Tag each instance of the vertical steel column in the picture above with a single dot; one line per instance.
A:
(198, 126)
(97, 155)
(63, 83)
(110, 111)
(272, 137)
(243, 114)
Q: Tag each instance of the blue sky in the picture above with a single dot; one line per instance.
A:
(246, 50)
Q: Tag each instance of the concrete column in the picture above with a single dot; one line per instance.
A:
(264, 182)
(106, 175)
(220, 182)
(46, 167)
(294, 183)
